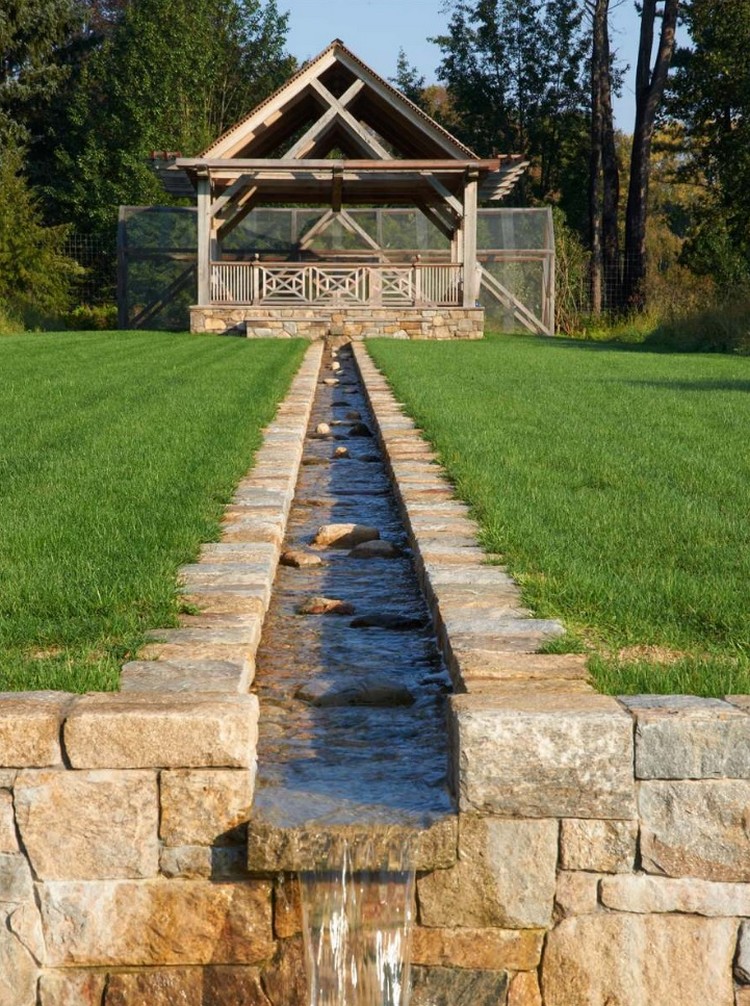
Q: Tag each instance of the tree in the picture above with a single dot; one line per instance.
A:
(650, 82)
(31, 31)
(710, 100)
(408, 79)
(36, 278)
(514, 70)
(173, 74)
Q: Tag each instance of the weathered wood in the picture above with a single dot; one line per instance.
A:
(204, 239)
(471, 286)
(319, 128)
(366, 141)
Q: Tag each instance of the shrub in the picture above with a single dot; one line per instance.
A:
(100, 317)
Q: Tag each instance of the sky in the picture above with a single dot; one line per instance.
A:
(376, 29)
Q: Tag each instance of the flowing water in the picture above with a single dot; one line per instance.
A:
(352, 725)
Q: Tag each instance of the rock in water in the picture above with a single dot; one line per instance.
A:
(360, 430)
(325, 606)
(323, 429)
(341, 452)
(335, 365)
(369, 691)
(298, 557)
(344, 535)
(331, 381)
(353, 416)
(377, 549)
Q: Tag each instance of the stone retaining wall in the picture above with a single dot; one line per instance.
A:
(348, 322)
(603, 844)
(602, 850)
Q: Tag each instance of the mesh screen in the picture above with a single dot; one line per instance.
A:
(158, 253)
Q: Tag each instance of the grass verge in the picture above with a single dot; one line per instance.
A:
(616, 484)
(117, 454)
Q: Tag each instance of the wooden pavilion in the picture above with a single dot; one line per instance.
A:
(337, 134)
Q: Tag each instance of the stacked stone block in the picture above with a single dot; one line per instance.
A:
(348, 323)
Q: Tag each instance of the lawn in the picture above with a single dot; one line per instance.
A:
(614, 482)
(117, 453)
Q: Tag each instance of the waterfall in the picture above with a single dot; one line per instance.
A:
(357, 914)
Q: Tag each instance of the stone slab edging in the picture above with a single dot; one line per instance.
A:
(530, 736)
(185, 702)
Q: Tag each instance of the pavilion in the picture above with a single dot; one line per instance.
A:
(338, 135)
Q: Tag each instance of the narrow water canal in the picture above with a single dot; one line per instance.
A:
(352, 719)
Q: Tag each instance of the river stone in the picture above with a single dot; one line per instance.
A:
(686, 737)
(457, 987)
(599, 846)
(156, 923)
(696, 829)
(299, 558)
(323, 429)
(558, 754)
(504, 878)
(141, 730)
(8, 839)
(524, 990)
(71, 988)
(30, 728)
(648, 895)
(18, 972)
(742, 960)
(89, 825)
(205, 806)
(344, 535)
(360, 430)
(639, 960)
(372, 690)
(389, 620)
(378, 549)
(335, 365)
(331, 381)
(325, 606)
(341, 452)
(489, 949)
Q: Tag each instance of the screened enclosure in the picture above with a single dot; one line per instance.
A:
(157, 256)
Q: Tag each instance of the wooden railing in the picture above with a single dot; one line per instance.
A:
(304, 283)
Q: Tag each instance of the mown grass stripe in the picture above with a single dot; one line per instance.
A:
(616, 483)
(117, 454)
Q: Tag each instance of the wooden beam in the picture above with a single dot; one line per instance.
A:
(317, 228)
(204, 239)
(248, 202)
(236, 165)
(337, 189)
(354, 228)
(448, 229)
(231, 193)
(319, 128)
(471, 286)
(441, 190)
(347, 120)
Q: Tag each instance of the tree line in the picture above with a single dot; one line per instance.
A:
(88, 88)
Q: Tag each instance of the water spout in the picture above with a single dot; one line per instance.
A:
(357, 915)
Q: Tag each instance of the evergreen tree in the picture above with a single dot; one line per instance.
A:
(172, 75)
(408, 79)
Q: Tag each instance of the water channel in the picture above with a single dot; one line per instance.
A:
(352, 709)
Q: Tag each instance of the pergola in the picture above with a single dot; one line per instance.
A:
(337, 134)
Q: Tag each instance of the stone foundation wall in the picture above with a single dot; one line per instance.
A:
(600, 856)
(350, 323)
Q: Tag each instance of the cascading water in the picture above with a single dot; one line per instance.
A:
(357, 927)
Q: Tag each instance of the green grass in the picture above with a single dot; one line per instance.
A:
(615, 482)
(117, 452)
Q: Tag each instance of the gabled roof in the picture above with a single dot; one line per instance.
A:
(338, 92)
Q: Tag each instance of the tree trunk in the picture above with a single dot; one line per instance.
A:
(611, 187)
(599, 70)
(649, 90)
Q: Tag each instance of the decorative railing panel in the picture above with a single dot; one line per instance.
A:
(296, 283)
